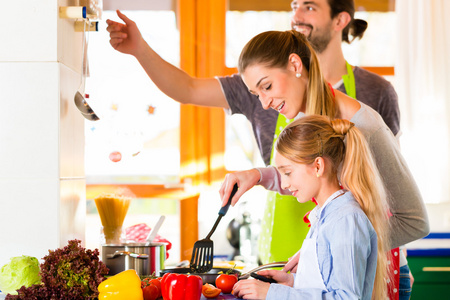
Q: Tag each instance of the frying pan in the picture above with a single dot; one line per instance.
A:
(211, 275)
(208, 277)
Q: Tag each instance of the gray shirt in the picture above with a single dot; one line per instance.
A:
(409, 219)
(371, 89)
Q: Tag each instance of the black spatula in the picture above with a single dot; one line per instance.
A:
(203, 252)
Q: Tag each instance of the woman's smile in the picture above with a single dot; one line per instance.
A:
(280, 107)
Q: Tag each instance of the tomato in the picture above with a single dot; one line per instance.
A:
(225, 282)
(151, 288)
(151, 292)
(210, 291)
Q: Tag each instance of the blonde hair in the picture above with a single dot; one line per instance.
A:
(273, 48)
(312, 136)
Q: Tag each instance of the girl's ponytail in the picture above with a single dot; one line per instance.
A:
(360, 175)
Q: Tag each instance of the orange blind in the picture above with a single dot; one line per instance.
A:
(202, 130)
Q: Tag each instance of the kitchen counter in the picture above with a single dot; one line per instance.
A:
(429, 261)
(220, 297)
(435, 244)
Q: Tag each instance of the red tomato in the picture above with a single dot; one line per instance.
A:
(181, 287)
(151, 288)
(151, 292)
(225, 282)
(210, 291)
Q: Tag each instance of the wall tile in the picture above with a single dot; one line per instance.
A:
(72, 214)
(29, 217)
(29, 124)
(30, 25)
(72, 143)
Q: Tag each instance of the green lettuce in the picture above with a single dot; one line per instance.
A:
(20, 271)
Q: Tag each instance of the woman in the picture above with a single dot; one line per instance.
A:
(283, 71)
(344, 253)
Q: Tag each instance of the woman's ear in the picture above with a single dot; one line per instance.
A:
(341, 20)
(295, 63)
(319, 165)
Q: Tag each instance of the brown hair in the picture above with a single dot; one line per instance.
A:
(356, 27)
(273, 48)
(312, 136)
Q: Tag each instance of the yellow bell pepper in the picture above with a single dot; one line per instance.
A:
(126, 285)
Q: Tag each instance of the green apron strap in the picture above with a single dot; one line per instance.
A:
(282, 122)
(349, 81)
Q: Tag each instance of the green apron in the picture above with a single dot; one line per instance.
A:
(282, 228)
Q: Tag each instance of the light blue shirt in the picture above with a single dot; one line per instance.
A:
(346, 252)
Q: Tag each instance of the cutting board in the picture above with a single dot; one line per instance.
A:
(220, 297)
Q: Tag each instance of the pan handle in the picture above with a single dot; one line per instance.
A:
(130, 254)
(278, 264)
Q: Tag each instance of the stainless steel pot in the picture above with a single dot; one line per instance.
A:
(145, 258)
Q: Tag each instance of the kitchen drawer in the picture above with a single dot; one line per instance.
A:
(430, 269)
(431, 277)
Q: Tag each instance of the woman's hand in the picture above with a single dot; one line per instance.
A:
(125, 38)
(245, 181)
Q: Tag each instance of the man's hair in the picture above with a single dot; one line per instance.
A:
(356, 27)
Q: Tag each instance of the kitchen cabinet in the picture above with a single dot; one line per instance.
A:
(431, 270)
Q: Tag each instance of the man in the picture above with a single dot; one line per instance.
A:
(326, 24)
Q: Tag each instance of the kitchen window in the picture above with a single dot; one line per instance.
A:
(137, 122)
(136, 139)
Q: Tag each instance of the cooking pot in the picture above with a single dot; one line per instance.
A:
(145, 258)
(208, 277)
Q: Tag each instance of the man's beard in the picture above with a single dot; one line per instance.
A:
(320, 40)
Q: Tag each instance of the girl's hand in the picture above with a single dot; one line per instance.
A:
(280, 277)
(292, 264)
(251, 289)
(245, 181)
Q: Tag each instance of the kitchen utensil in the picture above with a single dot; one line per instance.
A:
(207, 277)
(263, 278)
(79, 99)
(145, 258)
(203, 252)
(152, 234)
(278, 264)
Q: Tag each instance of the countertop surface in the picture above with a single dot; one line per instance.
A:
(220, 297)
(435, 244)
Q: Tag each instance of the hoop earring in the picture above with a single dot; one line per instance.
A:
(298, 75)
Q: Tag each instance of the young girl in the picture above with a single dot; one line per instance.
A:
(344, 253)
